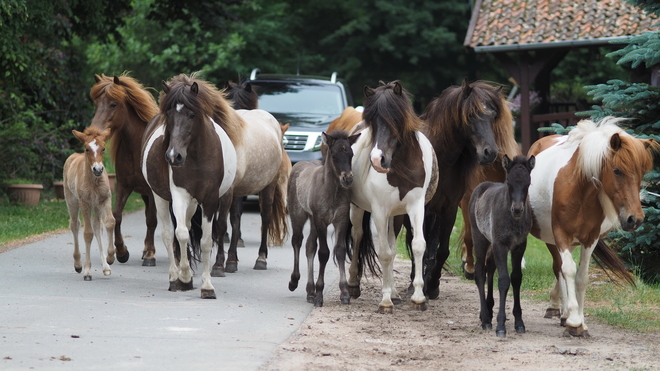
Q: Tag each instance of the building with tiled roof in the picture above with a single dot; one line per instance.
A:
(529, 38)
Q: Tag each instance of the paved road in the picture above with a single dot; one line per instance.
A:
(50, 319)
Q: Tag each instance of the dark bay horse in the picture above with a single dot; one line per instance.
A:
(123, 105)
(584, 185)
(320, 192)
(469, 126)
(188, 160)
(501, 219)
(87, 190)
(395, 172)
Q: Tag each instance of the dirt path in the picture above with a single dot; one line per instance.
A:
(448, 336)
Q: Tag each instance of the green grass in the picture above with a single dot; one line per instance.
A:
(635, 309)
(19, 221)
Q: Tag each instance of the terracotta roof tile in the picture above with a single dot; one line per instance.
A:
(507, 22)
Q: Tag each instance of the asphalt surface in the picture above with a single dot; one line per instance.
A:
(50, 319)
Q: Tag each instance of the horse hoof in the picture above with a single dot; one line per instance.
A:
(466, 274)
(110, 259)
(311, 298)
(240, 243)
(562, 322)
(520, 329)
(487, 326)
(552, 313)
(149, 262)
(87, 278)
(260, 265)
(184, 286)
(345, 300)
(433, 293)
(78, 269)
(208, 294)
(419, 306)
(385, 309)
(396, 301)
(107, 272)
(354, 291)
(293, 286)
(217, 272)
(579, 331)
(318, 302)
(231, 267)
(173, 286)
(123, 258)
(501, 333)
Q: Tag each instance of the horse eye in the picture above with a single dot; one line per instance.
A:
(617, 172)
(113, 105)
(191, 116)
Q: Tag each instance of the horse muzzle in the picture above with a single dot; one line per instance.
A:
(97, 170)
(174, 158)
(517, 211)
(346, 179)
(487, 156)
(631, 223)
(379, 166)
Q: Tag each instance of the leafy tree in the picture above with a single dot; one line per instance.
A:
(640, 103)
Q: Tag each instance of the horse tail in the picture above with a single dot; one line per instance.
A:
(367, 251)
(606, 257)
(277, 226)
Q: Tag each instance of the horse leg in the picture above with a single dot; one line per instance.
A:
(219, 268)
(266, 197)
(74, 226)
(108, 224)
(310, 250)
(568, 271)
(468, 245)
(391, 240)
(149, 252)
(163, 210)
(553, 311)
(490, 277)
(356, 216)
(386, 255)
(324, 255)
(88, 235)
(231, 265)
(516, 281)
(481, 245)
(581, 282)
(183, 209)
(121, 196)
(298, 219)
(440, 236)
(500, 253)
(207, 289)
(341, 248)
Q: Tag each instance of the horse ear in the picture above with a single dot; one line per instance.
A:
(615, 142)
(166, 88)
(326, 138)
(531, 162)
(79, 135)
(649, 143)
(285, 127)
(505, 162)
(467, 90)
(97, 78)
(248, 87)
(227, 84)
(398, 89)
(353, 138)
(381, 83)
(116, 80)
(194, 88)
(368, 91)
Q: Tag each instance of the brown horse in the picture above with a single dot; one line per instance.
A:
(584, 185)
(123, 105)
(188, 160)
(87, 190)
(470, 126)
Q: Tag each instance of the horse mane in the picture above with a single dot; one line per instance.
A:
(594, 142)
(240, 97)
(209, 101)
(386, 107)
(134, 95)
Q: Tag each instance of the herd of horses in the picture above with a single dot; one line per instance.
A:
(200, 150)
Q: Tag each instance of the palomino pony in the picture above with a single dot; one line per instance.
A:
(188, 160)
(123, 105)
(469, 126)
(320, 193)
(87, 190)
(584, 185)
(395, 173)
(501, 219)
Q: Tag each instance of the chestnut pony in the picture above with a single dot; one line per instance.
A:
(584, 185)
(87, 190)
(125, 106)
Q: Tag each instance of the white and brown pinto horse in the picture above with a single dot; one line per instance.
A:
(583, 186)
(189, 160)
(394, 173)
(87, 190)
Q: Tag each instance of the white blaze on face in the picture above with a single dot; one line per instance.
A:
(179, 107)
(376, 157)
(96, 166)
